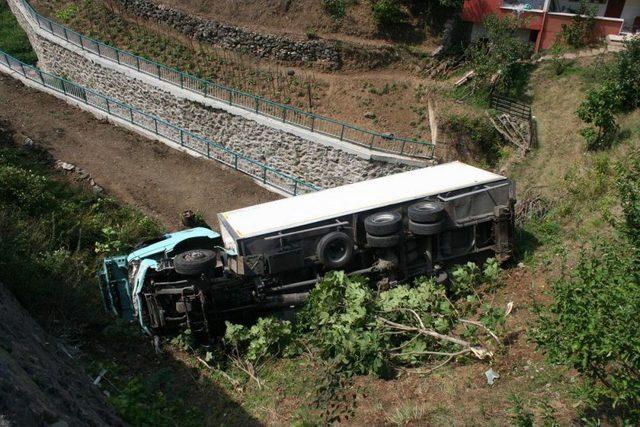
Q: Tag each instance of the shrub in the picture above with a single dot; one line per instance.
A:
(579, 33)
(67, 13)
(627, 74)
(620, 92)
(335, 8)
(388, 13)
(598, 109)
(475, 133)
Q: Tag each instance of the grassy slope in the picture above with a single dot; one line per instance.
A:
(12, 39)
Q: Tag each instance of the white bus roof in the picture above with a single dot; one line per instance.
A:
(362, 196)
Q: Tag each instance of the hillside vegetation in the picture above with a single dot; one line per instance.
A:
(564, 315)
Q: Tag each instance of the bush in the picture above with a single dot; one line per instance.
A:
(580, 32)
(620, 92)
(598, 109)
(388, 13)
(335, 8)
(593, 323)
(627, 74)
(475, 133)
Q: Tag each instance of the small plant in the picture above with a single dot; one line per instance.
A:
(335, 8)
(388, 13)
(311, 34)
(521, 417)
(251, 347)
(67, 13)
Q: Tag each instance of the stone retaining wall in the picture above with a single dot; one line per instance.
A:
(322, 165)
(328, 53)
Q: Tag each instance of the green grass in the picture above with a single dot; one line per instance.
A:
(13, 40)
(52, 232)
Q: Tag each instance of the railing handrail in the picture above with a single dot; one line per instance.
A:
(79, 93)
(420, 149)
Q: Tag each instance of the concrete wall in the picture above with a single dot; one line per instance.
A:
(316, 160)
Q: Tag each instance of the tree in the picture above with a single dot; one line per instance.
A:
(501, 52)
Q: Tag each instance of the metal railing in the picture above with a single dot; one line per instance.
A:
(264, 173)
(287, 114)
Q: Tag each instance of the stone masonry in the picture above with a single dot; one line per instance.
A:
(322, 165)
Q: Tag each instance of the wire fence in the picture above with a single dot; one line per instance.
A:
(285, 113)
(264, 173)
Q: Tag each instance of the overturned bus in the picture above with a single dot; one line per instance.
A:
(269, 256)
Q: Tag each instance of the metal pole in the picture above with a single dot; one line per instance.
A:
(295, 187)
(131, 114)
(117, 55)
(257, 102)
(155, 123)
(342, 133)
(108, 109)
(181, 137)
(284, 114)
(138, 62)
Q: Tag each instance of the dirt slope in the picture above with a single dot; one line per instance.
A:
(155, 178)
(39, 383)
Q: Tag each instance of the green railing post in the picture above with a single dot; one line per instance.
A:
(313, 122)
(158, 67)
(99, 53)
(131, 114)
(108, 109)
(230, 97)
(208, 150)
(342, 132)
(295, 187)
(181, 137)
(155, 123)
(264, 175)
(373, 137)
(284, 114)
(402, 147)
(235, 162)
(41, 78)
(50, 26)
(206, 87)
(181, 81)
(117, 55)
(257, 104)
(64, 89)
(138, 62)
(64, 30)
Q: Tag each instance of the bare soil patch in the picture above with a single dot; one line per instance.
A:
(155, 178)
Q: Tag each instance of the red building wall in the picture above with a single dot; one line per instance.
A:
(554, 22)
(477, 10)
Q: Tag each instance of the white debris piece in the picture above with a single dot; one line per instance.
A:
(491, 376)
